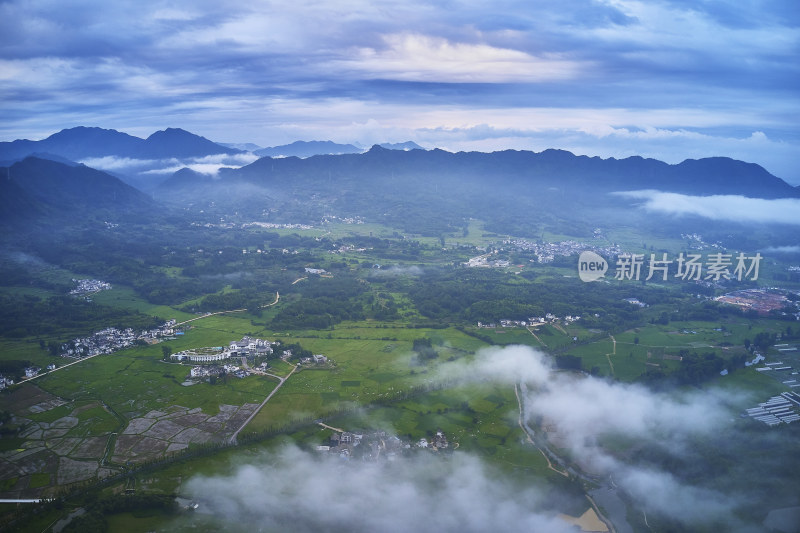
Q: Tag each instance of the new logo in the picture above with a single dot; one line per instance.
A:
(591, 266)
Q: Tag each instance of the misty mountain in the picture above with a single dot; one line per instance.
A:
(557, 169)
(408, 145)
(433, 191)
(246, 147)
(50, 191)
(308, 149)
(185, 178)
(80, 143)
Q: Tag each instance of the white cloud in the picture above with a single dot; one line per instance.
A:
(303, 492)
(585, 410)
(720, 207)
(415, 57)
(782, 249)
(205, 165)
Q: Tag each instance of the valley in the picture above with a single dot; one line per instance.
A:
(389, 309)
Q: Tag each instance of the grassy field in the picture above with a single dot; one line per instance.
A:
(367, 369)
(136, 381)
(126, 298)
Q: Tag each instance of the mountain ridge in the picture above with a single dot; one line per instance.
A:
(84, 142)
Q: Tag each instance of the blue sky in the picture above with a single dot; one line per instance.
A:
(669, 79)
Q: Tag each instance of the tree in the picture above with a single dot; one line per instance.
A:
(167, 351)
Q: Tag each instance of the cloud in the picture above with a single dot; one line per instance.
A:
(583, 412)
(205, 165)
(415, 57)
(782, 249)
(111, 162)
(720, 207)
(297, 490)
(669, 79)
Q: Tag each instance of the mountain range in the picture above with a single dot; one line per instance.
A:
(400, 184)
(80, 143)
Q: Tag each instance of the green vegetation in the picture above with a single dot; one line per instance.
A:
(394, 307)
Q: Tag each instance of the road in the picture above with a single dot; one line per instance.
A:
(326, 426)
(277, 299)
(270, 395)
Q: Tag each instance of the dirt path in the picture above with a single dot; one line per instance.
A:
(326, 426)
(528, 435)
(270, 395)
(614, 352)
(535, 337)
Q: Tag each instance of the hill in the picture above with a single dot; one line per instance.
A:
(52, 192)
(308, 149)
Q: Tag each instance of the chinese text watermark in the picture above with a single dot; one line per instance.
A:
(689, 267)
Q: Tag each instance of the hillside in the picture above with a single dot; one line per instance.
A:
(48, 191)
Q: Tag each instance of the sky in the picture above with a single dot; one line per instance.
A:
(669, 79)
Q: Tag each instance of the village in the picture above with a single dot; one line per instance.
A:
(89, 286)
(762, 301)
(546, 252)
(378, 446)
(110, 340)
(106, 341)
(534, 321)
(212, 361)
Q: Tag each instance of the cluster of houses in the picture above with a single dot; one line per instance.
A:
(207, 371)
(111, 340)
(333, 219)
(534, 321)
(272, 225)
(546, 252)
(348, 248)
(485, 261)
(377, 445)
(89, 286)
(247, 347)
(30, 372)
(696, 242)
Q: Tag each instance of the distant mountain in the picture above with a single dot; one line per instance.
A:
(41, 155)
(408, 145)
(247, 147)
(51, 191)
(433, 191)
(185, 178)
(175, 142)
(557, 169)
(308, 149)
(80, 143)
